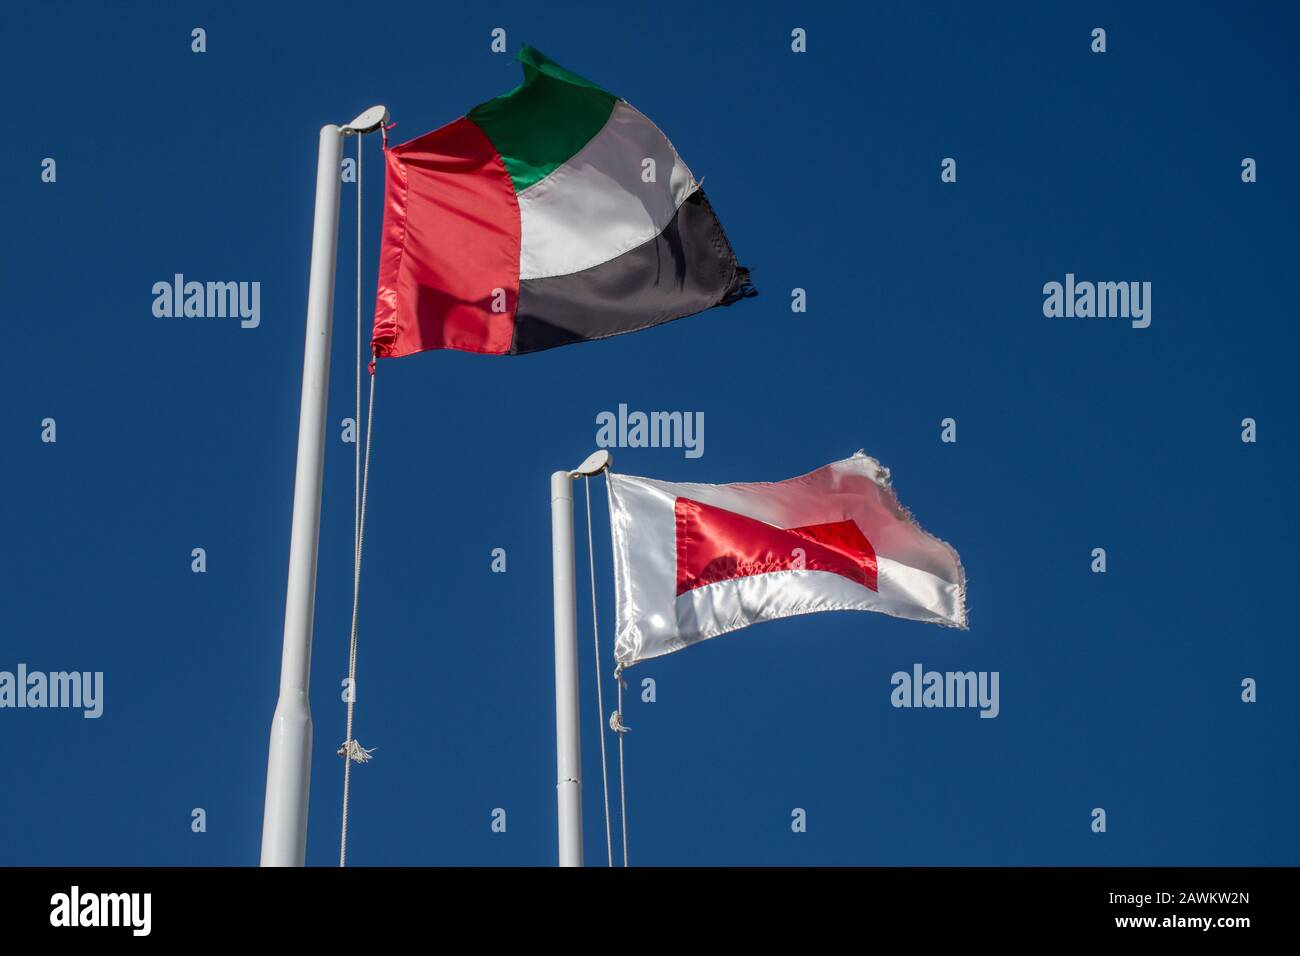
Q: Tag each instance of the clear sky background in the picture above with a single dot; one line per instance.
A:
(1118, 690)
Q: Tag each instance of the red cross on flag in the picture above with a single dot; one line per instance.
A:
(693, 561)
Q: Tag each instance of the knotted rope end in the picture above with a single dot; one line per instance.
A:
(355, 752)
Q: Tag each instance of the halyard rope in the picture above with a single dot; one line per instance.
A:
(616, 724)
(356, 420)
(352, 751)
(600, 697)
(616, 718)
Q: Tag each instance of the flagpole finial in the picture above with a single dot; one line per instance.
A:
(596, 463)
(369, 121)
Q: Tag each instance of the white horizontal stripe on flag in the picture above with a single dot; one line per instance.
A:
(595, 207)
(725, 606)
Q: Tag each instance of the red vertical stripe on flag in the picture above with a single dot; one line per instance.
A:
(714, 544)
(449, 262)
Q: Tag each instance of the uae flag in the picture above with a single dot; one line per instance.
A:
(694, 561)
(555, 213)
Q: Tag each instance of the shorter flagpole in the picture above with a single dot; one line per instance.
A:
(568, 739)
(568, 736)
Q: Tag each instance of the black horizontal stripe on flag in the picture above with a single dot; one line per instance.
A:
(687, 268)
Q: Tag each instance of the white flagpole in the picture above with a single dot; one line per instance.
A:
(288, 769)
(568, 745)
(568, 737)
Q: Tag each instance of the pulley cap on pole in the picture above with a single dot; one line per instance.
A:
(372, 119)
(596, 463)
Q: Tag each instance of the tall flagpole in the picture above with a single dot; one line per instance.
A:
(568, 737)
(288, 769)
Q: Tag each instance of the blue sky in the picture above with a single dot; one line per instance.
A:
(1118, 690)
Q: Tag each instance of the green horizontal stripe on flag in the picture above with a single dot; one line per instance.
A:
(541, 123)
